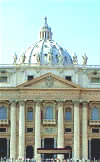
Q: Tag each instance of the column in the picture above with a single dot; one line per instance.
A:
(13, 130)
(37, 130)
(21, 129)
(55, 145)
(76, 131)
(42, 141)
(84, 132)
(89, 148)
(8, 146)
(60, 128)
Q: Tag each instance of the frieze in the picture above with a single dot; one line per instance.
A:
(49, 94)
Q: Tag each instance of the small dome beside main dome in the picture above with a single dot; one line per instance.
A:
(46, 51)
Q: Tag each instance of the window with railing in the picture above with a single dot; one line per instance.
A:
(68, 115)
(95, 115)
(49, 113)
(3, 113)
(29, 114)
(95, 80)
(3, 79)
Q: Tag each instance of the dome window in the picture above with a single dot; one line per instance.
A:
(68, 78)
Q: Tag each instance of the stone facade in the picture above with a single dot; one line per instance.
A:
(60, 103)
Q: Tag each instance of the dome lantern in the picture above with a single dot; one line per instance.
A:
(45, 32)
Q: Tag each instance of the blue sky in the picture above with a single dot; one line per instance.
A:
(75, 25)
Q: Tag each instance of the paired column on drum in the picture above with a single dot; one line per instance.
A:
(37, 130)
(84, 131)
(21, 129)
(76, 131)
(13, 130)
(60, 128)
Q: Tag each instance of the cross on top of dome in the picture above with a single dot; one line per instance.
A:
(45, 19)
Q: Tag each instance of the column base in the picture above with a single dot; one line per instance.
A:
(38, 158)
(60, 157)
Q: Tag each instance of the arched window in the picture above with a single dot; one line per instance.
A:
(95, 114)
(30, 114)
(49, 113)
(3, 113)
(68, 115)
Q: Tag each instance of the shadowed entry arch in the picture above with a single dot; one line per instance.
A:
(29, 152)
(3, 147)
(95, 149)
(48, 144)
(68, 155)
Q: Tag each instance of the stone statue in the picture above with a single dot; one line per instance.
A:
(75, 60)
(85, 58)
(38, 58)
(15, 58)
(23, 57)
(60, 59)
(49, 57)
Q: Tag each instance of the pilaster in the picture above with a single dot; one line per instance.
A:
(84, 131)
(37, 130)
(13, 130)
(21, 129)
(76, 130)
(60, 141)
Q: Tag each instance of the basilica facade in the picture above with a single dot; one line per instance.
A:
(48, 100)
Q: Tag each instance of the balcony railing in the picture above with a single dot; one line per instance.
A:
(49, 121)
(94, 122)
(4, 122)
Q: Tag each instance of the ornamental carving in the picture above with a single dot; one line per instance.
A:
(49, 81)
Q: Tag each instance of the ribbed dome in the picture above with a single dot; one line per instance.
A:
(46, 51)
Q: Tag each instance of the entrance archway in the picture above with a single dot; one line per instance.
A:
(3, 147)
(68, 155)
(29, 152)
(95, 149)
(48, 143)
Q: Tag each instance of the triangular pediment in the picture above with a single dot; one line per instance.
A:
(48, 80)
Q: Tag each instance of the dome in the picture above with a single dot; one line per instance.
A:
(46, 50)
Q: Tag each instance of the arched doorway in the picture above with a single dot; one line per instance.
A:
(29, 152)
(3, 148)
(68, 155)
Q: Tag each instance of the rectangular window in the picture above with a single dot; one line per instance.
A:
(95, 130)
(3, 113)
(3, 78)
(30, 77)
(30, 115)
(67, 130)
(29, 130)
(95, 80)
(2, 129)
(68, 78)
(68, 115)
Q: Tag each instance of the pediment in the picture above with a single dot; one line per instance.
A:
(48, 80)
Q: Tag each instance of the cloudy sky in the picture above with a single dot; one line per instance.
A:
(75, 25)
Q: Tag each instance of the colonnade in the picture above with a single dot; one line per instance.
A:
(60, 136)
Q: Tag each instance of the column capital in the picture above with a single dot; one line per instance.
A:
(60, 101)
(22, 102)
(12, 101)
(85, 103)
(76, 102)
(38, 100)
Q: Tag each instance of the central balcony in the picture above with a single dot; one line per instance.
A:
(49, 121)
(94, 122)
